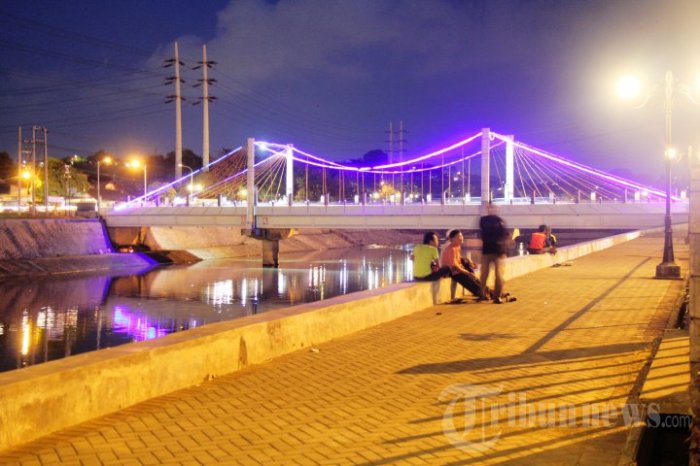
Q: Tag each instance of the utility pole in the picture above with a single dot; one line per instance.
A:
(46, 170)
(33, 209)
(391, 148)
(177, 97)
(205, 99)
(19, 169)
(402, 140)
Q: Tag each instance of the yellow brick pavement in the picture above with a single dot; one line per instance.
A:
(537, 382)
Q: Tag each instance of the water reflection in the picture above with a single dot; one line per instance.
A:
(51, 318)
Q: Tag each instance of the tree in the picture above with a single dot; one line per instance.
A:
(65, 180)
(375, 157)
(189, 158)
(7, 166)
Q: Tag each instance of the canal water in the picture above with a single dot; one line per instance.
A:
(47, 318)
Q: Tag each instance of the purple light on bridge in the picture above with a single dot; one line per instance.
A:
(432, 154)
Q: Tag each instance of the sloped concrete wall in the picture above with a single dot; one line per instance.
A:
(40, 238)
(215, 242)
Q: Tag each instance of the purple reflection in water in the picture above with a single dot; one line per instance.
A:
(136, 325)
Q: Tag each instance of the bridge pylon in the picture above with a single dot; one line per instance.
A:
(485, 168)
(250, 185)
(508, 188)
(289, 181)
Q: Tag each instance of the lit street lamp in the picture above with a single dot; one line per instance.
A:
(137, 164)
(107, 160)
(190, 187)
(630, 88)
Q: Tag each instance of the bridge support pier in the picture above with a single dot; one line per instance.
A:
(270, 252)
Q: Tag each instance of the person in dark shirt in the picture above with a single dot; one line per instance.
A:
(494, 237)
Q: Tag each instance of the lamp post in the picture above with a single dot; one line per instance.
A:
(107, 160)
(668, 268)
(630, 88)
(190, 187)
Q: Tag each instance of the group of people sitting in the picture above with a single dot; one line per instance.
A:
(430, 265)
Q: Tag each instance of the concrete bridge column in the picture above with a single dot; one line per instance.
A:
(250, 188)
(485, 171)
(508, 188)
(270, 252)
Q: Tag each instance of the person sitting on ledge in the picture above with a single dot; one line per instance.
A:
(538, 241)
(462, 270)
(425, 260)
(551, 242)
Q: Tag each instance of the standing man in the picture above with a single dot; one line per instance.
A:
(494, 237)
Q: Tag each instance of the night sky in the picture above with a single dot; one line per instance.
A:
(329, 76)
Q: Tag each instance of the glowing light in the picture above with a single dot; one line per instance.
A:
(26, 174)
(629, 87)
(671, 153)
(134, 164)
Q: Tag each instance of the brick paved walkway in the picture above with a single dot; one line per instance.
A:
(455, 384)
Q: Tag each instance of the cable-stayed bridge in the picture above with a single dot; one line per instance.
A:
(269, 186)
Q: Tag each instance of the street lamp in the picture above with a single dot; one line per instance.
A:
(630, 88)
(107, 160)
(137, 164)
(189, 188)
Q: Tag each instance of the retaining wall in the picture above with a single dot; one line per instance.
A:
(36, 238)
(48, 397)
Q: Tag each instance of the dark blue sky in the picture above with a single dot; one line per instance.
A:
(329, 76)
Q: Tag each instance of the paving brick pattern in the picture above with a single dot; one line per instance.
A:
(539, 381)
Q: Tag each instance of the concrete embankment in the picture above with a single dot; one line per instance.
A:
(48, 246)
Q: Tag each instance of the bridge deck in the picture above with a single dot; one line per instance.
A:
(577, 338)
(418, 216)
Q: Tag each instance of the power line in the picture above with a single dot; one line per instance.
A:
(54, 31)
